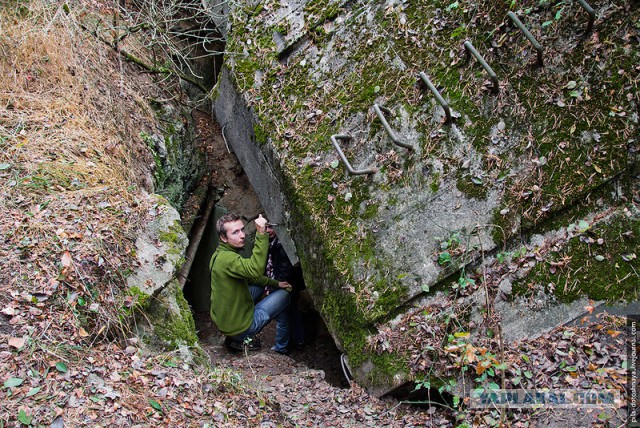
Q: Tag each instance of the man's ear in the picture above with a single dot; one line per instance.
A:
(223, 238)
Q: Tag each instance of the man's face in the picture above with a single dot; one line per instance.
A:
(271, 231)
(234, 234)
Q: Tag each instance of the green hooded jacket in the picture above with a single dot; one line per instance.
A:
(231, 302)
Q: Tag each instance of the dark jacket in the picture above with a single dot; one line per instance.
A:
(281, 264)
(283, 270)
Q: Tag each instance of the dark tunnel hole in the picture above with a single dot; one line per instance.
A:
(422, 397)
(319, 350)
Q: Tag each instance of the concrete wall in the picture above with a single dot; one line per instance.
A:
(526, 206)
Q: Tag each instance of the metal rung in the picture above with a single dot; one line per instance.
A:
(472, 51)
(528, 35)
(334, 141)
(436, 93)
(379, 109)
(592, 15)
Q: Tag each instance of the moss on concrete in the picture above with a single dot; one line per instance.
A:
(472, 186)
(178, 165)
(344, 316)
(601, 262)
(559, 143)
(173, 325)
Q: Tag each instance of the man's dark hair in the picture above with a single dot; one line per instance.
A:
(227, 218)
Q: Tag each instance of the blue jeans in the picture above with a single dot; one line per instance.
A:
(271, 307)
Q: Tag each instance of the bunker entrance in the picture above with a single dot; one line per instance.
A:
(318, 351)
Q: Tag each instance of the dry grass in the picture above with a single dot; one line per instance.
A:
(74, 182)
(61, 104)
(74, 172)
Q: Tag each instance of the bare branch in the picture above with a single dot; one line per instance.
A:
(184, 31)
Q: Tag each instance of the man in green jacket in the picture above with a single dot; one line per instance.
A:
(236, 307)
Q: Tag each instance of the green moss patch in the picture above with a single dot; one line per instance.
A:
(600, 262)
(174, 329)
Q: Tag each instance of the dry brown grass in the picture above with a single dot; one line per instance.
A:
(64, 98)
(74, 177)
(74, 169)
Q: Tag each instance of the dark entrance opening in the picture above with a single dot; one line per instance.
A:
(237, 195)
(318, 352)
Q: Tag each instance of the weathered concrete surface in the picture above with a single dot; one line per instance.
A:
(167, 320)
(533, 190)
(237, 124)
(521, 320)
(158, 250)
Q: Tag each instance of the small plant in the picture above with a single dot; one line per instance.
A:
(502, 256)
(463, 282)
(444, 258)
(450, 248)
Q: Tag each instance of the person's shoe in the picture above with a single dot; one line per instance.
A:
(281, 352)
(233, 345)
(250, 344)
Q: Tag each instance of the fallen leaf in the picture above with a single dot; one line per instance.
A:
(9, 311)
(16, 342)
(66, 259)
(155, 405)
(34, 391)
(14, 381)
(57, 422)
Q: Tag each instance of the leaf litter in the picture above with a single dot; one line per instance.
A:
(68, 222)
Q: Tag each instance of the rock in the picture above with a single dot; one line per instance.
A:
(505, 286)
(383, 257)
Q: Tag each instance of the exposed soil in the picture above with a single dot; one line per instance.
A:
(319, 352)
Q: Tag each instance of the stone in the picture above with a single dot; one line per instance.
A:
(368, 262)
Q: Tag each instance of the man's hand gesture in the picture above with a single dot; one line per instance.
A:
(260, 224)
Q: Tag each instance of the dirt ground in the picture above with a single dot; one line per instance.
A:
(319, 351)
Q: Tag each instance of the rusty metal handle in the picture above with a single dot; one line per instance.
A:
(334, 141)
(528, 35)
(436, 93)
(379, 109)
(592, 15)
(494, 78)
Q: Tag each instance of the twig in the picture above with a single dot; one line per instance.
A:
(132, 58)
(225, 138)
